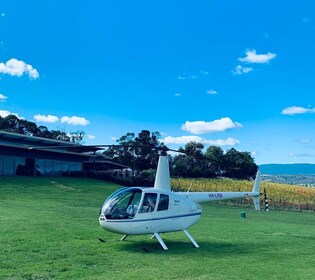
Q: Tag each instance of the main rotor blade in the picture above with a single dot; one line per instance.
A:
(101, 146)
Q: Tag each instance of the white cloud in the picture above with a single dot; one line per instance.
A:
(177, 94)
(294, 110)
(91, 137)
(304, 141)
(75, 120)
(300, 155)
(18, 68)
(202, 127)
(2, 14)
(253, 57)
(182, 140)
(212, 91)
(224, 142)
(3, 98)
(189, 77)
(4, 113)
(46, 119)
(239, 70)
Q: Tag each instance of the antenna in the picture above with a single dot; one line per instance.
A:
(190, 184)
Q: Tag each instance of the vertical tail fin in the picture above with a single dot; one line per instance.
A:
(256, 189)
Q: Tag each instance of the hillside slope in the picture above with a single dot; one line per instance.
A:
(288, 169)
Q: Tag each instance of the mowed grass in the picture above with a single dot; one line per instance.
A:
(49, 230)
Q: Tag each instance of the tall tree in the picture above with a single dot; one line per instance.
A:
(124, 154)
(137, 152)
(44, 132)
(215, 156)
(147, 156)
(12, 123)
(193, 163)
(239, 165)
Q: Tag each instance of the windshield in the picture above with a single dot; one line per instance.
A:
(123, 204)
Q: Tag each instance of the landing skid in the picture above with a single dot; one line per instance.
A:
(158, 237)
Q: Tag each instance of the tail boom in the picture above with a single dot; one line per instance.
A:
(218, 196)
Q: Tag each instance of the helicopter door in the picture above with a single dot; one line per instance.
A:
(149, 202)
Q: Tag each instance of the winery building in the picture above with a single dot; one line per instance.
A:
(35, 156)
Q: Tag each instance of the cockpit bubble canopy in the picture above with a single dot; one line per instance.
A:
(122, 204)
(125, 203)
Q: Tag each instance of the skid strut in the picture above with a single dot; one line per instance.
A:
(158, 237)
(191, 238)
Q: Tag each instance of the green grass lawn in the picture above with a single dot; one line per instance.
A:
(49, 230)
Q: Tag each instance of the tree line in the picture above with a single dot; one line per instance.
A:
(139, 153)
(12, 123)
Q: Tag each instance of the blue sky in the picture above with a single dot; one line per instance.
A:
(229, 73)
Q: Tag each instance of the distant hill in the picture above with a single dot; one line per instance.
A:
(288, 169)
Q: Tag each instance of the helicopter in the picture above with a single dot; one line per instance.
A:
(143, 210)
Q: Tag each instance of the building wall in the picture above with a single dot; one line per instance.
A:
(15, 165)
(35, 156)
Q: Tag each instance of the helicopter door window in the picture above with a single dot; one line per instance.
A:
(163, 203)
(149, 202)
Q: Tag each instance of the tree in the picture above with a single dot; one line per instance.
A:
(10, 123)
(213, 163)
(192, 164)
(28, 128)
(137, 152)
(179, 166)
(14, 124)
(60, 135)
(44, 132)
(215, 155)
(239, 165)
(125, 153)
(77, 136)
(147, 156)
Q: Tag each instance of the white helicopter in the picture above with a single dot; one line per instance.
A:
(138, 210)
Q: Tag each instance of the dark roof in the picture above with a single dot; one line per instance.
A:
(15, 141)
(39, 143)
